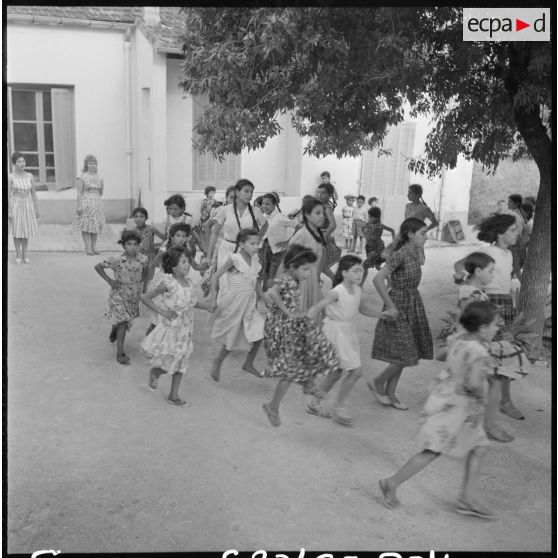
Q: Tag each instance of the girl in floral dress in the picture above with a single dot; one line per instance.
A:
(296, 348)
(454, 410)
(237, 323)
(170, 344)
(147, 234)
(403, 336)
(90, 219)
(126, 289)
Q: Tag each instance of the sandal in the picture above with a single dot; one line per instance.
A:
(26, 261)
(178, 402)
(497, 433)
(316, 409)
(272, 415)
(123, 359)
(398, 405)
(476, 510)
(390, 501)
(509, 409)
(339, 416)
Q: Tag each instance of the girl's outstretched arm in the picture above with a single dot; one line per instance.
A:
(215, 230)
(101, 271)
(205, 305)
(330, 297)
(365, 310)
(276, 297)
(147, 300)
(379, 282)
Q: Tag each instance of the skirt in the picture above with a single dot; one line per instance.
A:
(24, 221)
(344, 337)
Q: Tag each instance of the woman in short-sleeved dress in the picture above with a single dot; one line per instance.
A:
(90, 219)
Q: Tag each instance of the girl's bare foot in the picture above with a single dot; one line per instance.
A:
(153, 377)
(390, 500)
(250, 368)
(215, 370)
(378, 394)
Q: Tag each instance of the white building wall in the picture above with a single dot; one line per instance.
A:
(92, 61)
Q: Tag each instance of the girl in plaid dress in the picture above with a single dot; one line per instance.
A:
(501, 232)
(126, 289)
(297, 350)
(373, 231)
(403, 336)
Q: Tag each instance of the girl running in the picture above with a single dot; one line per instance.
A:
(403, 336)
(500, 231)
(170, 344)
(276, 234)
(342, 305)
(147, 234)
(310, 236)
(332, 252)
(126, 289)
(296, 348)
(375, 246)
(237, 324)
(454, 411)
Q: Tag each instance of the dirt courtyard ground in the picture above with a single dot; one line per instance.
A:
(96, 463)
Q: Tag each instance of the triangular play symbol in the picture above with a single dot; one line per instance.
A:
(519, 25)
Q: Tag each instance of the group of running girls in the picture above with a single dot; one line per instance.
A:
(310, 338)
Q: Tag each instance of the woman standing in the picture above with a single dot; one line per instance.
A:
(90, 219)
(23, 207)
(231, 219)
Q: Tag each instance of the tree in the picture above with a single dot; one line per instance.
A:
(346, 75)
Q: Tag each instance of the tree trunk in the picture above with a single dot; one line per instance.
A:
(537, 268)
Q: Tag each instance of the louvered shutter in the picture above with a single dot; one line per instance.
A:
(63, 137)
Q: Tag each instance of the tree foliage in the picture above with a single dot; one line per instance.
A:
(345, 75)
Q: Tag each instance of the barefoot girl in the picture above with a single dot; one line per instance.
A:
(501, 232)
(375, 246)
(296, 348)
(454, 411)
(237, 323)
(310, 236)
(126, 288)
(276, 234)
(147, 234)
(342, 305)
(170, 344)
(403, 336)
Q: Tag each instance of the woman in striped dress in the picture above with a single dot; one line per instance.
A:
(90, 219)
(23, 207)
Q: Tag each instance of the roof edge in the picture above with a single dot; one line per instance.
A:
(53, 20)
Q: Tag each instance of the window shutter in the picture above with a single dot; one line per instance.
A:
(63, 136)
(208, 170)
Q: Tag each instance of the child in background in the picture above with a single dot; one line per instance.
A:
(375, 246)
(258, 203)
(147, 244)
(176, 212)
(170, 344)
(296, 348)
(373, 202)
(201, 230)
(237, 324)
(276, 233)
(342, 305)
(403, 336)
(347, 212)
(360, 218)
(454, 411)
(129, 271)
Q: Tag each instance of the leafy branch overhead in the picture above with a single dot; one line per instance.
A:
(345, 75)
